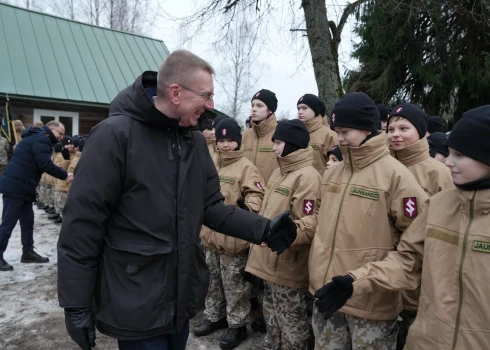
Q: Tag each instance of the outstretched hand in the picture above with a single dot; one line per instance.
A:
(332, 296)
(282, 233)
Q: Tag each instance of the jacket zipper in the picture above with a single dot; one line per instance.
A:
(338, 217)
(460, 276)
(256, 148)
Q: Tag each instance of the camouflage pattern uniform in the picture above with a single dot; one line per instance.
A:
(4, 147)
(285, 316)
(228, 292)
(49, 192)
(345, 332)
(59, 201)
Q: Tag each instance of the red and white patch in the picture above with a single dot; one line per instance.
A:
(308, 206)
(259, 186)
(333, 118)
(257, 94)
(410, 207)
(398, 110)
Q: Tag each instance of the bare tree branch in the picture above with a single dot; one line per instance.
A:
(349, 9)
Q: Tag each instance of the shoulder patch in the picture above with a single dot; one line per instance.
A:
(265, 149)
(374, 195)
(282, 190)
(410, 207)
(480, 246)
(227, 179)
(259, 186)
(308, 206)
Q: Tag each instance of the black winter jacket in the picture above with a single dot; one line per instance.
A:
(31, 158)
(130, 236)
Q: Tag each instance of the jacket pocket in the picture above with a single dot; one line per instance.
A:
(363, 298)
(198, 282)
(134, 285)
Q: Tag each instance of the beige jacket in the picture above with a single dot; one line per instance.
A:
(211, 146)
(452, 240)
(239, 178)
(367, 201)
(61, 185)
(293, 187)
(73, 165)
(257, 145)
(48, 179)
(322, 139)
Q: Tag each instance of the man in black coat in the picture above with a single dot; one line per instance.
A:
(129, 250)
(31, 158)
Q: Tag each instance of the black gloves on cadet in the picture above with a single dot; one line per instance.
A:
(334, 295)
(65, 153)
(242, 205)
(280, 233)
(80, 326)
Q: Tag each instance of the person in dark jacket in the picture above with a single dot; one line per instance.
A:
(31, 158)
(130, 260)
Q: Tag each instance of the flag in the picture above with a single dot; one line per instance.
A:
(7, 115)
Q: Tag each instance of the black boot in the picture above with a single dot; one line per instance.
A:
(258, 325)
(51, 210)
(33, 257)
(47, 209)
(5, 266)
(207, 327)
(42, 206)
(58, 220)
(233, 337)
(53, 216)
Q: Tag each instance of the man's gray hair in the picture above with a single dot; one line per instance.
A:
(54, 124)
(180, 68)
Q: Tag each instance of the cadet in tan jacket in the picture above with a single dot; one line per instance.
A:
(367, 201)
(208, 133)
(227, 302)
(63, 160)
(439, 149)
(322, 138)
(446, 249)
(293, 186)
(257, 144)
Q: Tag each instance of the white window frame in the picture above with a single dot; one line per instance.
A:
(57, 114)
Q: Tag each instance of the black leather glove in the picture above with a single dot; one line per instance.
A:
(241, 204)
(282, 233)
(334, 295)
(80, 326)
(247, 276)
(58, 148)
(65, 153)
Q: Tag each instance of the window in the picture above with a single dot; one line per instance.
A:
(68, 119)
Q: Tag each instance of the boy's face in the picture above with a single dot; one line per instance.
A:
(208, 132)
(305, 113)
(401, 133)
(351, 137)
(260, 111)
(278, 147)
(227, 145)
(332, 159)
(383, 125)
(465, 169)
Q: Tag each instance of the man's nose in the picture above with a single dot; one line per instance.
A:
(209, 104)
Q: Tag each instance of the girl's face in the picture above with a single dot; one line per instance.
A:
(351, 137)
(227, 145)
(305, 113)
(401, 133)
(465, 169)
(208, 133)
(278, 147)
(332, 159)
(260, 111)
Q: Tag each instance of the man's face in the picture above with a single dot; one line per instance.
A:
(58, 132)
(193, 103)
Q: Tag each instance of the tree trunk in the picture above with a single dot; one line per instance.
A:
(321, 48)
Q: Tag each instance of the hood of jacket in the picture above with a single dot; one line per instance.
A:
(44, 130)
(412, 154)
(357, 158)
(266, 126)
(296, 160)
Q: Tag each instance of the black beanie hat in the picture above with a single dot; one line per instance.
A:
(470, 135)
(413, 114)
(336, 152)
(228, 128)
(355, 110)
(437, 139)
(435, 124)
(217, 120)
(293, 132)
(311, 101)
(384, 112)
(268, 97)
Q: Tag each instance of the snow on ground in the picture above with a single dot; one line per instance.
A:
(30, 318)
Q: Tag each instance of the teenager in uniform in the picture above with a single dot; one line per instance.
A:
(435, 123)
(384, 114)
(208, 132)
(293, 186)
(445, 250)
(227, 301)
(334, 156)
(366, 203)
(407, 127)
(63, 160)
(322, 138)
(437, 143)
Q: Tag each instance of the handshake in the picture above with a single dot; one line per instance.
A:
(69, 178)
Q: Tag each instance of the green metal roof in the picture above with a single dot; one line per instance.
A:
(47, 57)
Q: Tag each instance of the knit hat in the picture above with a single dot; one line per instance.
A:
(336, 152)
(355, 110)
(81, 143)
(470, 135)
(437, 139)
(311, 101)
(435, 124)
(384, 112)
(413, 114)
(268, 97)
(67, 140)
(293, 132)
(217, 120)
(228, 128)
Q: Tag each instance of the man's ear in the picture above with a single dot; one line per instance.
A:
(174, 93)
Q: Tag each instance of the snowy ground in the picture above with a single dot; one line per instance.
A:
(30, 318)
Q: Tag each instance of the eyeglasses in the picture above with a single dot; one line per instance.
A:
(205, 96)
(59, 132)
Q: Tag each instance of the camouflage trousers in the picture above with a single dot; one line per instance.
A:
(48, 192)
(285, 316)
(228, 292)
(59, 201)
(41, 190)
(345, 332)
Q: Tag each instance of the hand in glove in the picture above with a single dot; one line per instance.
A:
(65, 153)
(247, 276)
(241, 203)
(282, 233)
(334, 295)
(80, 326)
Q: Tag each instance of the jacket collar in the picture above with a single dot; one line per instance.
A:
(267, 126)
(227, 158)
(357, 158)
(481, 203)
(296, 160)
(412, 154)
(314, 124)
(51, 136)
(209, 140)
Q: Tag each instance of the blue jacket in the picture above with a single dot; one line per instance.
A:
(31, 158)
